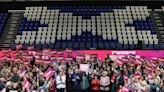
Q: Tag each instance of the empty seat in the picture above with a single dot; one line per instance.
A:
(113, 27)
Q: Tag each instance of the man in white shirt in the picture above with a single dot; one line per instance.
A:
(61, 82)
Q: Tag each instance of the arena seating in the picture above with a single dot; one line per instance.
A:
(84, 27)
(3, 19)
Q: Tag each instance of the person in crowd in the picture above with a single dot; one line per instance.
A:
(2, 85)
(52, 85)
(95, 84)
(69, 84)
(120, 80)
(76, 79)
(113, 83)
(84, 83)
(155, 86)
(61, 82)
(104, 82)
(105, 76)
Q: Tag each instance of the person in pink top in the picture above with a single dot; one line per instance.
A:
(52, 85)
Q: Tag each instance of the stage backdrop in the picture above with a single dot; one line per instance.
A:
(146, 53)
(103, 53)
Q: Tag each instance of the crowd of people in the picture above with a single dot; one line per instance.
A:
(102, 76)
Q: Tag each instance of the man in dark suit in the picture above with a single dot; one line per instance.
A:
(76, 78)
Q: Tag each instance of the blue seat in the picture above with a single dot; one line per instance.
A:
(126, 46)
(100, 45)
(57, 45)
(88, 45)
(145, 46)
(132, 46)
(82, 45)
(113, 45)
(106, 45)
(70, 45)
(84, 40)
(76, 45)
(64, 44)
(150, 46)
(161, 46)
(119, 46)
(94, 45)
(39, 46)
(156, 46)
(52, 46)
(46, 45)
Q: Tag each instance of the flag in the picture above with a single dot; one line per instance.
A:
(148, 68)
(125, 59)
(46, 52)
(53, 52)
(22, 73)
(46, 62)
(52, 57)
(17, 60)
(3, 58)
(93, 55)
(16, 54)
(26, 84)
(27, 64)
(37, 57)
(148, 77)
(48, 73)
(139, 61)
(38, 53)
(32, 52)
(153, 60)
(137, 75)
(8, 59)
(19, 46)
(118, 61)
(132, 56)
(38, 61)
(68, 59)
(68, 50)
(29, 57)
(125, 77)
(6, 50)
(31, 47)
(79, 57)
(59, 52)
(125, 89)
(59, 58)
(153, 65)
(25, 53)
(160, 59)
(87, 57)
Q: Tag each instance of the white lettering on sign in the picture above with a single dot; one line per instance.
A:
(123, 52)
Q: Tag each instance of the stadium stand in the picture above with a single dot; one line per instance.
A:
(3, 19)
(85, 27)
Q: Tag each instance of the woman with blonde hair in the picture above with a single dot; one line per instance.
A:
(104, 82)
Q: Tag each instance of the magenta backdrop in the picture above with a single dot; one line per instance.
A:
(146, 53)
(102, 53)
